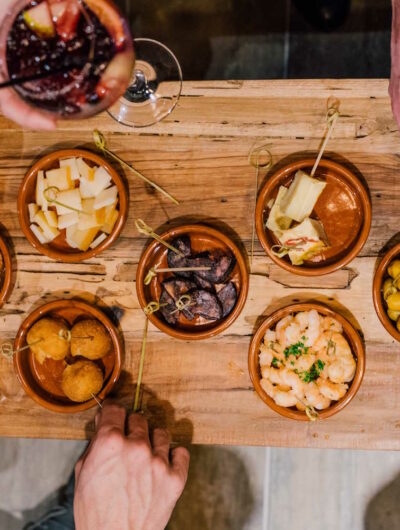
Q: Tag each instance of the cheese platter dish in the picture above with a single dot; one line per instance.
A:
(313, 225)
(72, 205)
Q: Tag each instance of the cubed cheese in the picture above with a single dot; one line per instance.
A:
(110, 223)
(93, 187)
(276, 220)
(73, 167)
(71, 198)
(33, 209)
(69, 219)
(85, 170)
(83, 238)
(41, 186)
(106, 198)
(69, 233)
(102, 237)
(38, 233)
(301, 197)
(60, 178)
(49, 231)
(97, 218)
(51, 218)
(88, 205)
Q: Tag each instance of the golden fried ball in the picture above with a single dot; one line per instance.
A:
(89, 338)
(46, 340)
(82, 380)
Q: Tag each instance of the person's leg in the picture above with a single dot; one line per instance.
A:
(60, 517)
(325, 15)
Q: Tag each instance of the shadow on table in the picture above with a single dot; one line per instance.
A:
(383, 510)
(218, 494)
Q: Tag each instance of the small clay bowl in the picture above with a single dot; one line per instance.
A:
(59, 249)
(380, 306)
(202, 238)
(6, 283)
(349, 332)
(43, 382)
(344, 208)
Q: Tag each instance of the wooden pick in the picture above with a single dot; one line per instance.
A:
(331, 116)
(100, 142)
(141, 365)
(153, 272)
(145, 229)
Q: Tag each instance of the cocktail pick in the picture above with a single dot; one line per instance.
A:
(97, 400)
(50, 194)
(312, 414)
(141, 365)
(100, 142)
(146, 230)
(331, 117)
(254, 159)
(152, 307)
(154, 271)
(7, 348)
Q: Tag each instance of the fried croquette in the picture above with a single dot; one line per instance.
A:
(47, 339)
(82, 380)
(90, 339)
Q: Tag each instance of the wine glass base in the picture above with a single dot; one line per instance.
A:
(155, 89)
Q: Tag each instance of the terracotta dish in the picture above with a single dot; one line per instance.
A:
(350, 334)
(6, 273)
(59, 249)
(42, 382)
(202, 238)
(380, 276)
(344, 208)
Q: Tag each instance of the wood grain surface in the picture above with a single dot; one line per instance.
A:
(202, 391)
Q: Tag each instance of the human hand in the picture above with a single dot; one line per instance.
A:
(123, 482)
(12, 106)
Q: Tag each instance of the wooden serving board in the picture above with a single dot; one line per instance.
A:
(202, 390)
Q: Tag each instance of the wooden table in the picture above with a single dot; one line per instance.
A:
(202, 390)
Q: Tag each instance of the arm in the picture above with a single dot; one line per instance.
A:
(125, 482)
(13, 107)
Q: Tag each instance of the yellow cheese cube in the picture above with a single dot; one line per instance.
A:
(41, 186)
(49, 231)
(110, 223)
(106, 198)
(33, 209)
(85, 170)
(70, 198)
(51, 218)
(73, 167)
(60, 178)
(69, 219)
(38, 233)
(83, 238)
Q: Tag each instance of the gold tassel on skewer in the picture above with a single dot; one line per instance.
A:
(146, 230)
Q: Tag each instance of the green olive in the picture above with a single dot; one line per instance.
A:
(393, 315)
(393, 302)
(388, 288)
(394, 268)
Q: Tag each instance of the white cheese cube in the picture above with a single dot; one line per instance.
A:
(38, 233)
(51, 218)
(69, 234)
(106, 198)
(33, 209)
(70, 198)
(301, 197)
(98, 240)
(73, 167)
(41, 186)
(68, 219)
(49, 231)
(93, 187)
(85, 170)
(60, 178)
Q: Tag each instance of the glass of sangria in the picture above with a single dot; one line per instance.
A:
(80, 50)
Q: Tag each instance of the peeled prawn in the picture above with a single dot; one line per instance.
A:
(313, 330)
(342, 369)
(290, 378)
(332, 391)
(281, 397)
(331, 324)
(315, 398)
(273, 374)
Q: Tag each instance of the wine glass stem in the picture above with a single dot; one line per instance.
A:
(139, 89)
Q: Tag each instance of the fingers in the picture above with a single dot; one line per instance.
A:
(161, 441)
(20, 112)
(110, 418)
(138, 429)
(180, 462)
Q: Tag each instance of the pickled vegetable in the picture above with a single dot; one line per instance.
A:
(388, 288)
(394, 269)
(393, 302)
(393, 315)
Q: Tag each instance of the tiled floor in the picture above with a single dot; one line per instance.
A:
(245, 488)
(229, 488)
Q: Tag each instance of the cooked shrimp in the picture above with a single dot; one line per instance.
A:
(341, 346)
(270, 336)
(331, 324)
(315, 398)
(342, 369)
(281, 397)
(290, 378)
(313, 330)
(302, 319)
(265, 357)
(302, 363)
(281, 329)
(273, 374)
(331, 390)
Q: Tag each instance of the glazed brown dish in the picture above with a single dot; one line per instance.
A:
(217, 295)
(5, 272)
(344, 209)
(349, 333)
(43, 378)
(59, 249)
(381, 306)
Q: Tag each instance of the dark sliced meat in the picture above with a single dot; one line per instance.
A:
(206, 305)
(220, 263)
(203, 283)
(227, 297)
(177, 287)
(174, 260)
(167, 311)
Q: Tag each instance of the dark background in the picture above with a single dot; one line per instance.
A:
(265, 39)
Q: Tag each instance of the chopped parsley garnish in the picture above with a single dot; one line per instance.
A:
(313, 373)
(275, 362)
(296, 349)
